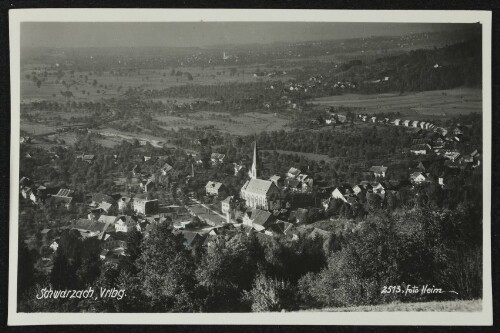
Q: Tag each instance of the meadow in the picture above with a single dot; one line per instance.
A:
(243, 124)
(438, 103)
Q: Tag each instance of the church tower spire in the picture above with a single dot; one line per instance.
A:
(253, 171)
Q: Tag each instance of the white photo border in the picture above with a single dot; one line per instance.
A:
(17, 16)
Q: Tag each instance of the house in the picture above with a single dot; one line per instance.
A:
(217, 158)
(107, 219)
(424, 165)
(420, 149)
(293, 173)
(418, 178)
(341, 118)
(193, 239)
(342, 192)
(378, 171)
(214, 188)
(277, 180)
(415, 123)
(125, 223)
(54, 245)
(146, 158)
(25, 182)
(88, 228)
(226, 205)
(136, 170)
(452, 155)
(280, 228)
(406, 123)
(438, 143)
(147, 185)
(63, 196)
(362, 187)
(238, 168)
(422, 124)
(145, 206)
(86, 158)
(124, 203)
(293, 185)
(97, 198)
(378, 189)
(168, 170)
(258, 219)
(397, 122)
(64, 192)
(373, 119)
(65, 201)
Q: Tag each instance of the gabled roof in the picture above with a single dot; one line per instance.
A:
(65, 200)
(107, 219)
(258, 186)
(105, 206)
(214, 185)
(275, 178)
(260, 217)
(100, 197)
(344, 189)
(293, 183)
(88, 225)
(217, 156)
(294, 171)
(378, 169)
(64, 192)
(416, 174)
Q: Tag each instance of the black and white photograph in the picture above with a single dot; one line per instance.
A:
(235, 165)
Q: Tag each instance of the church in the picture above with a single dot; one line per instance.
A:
(259, 193)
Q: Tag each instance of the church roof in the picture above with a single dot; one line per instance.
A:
(257, 186)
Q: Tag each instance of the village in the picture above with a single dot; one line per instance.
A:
(260, 206)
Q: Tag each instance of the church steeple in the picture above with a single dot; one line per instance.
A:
(253, 170)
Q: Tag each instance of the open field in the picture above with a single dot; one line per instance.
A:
(447, 306)
(438, 103)
(244, 124)
(309, 156)
(87, 86)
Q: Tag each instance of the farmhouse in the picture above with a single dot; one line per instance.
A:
(217, 158)
(86, 158)
(226, 205)
(378, 171)
(125, 223)
(277, 180)
(258, 219)
(145, 206)
(342, 192)
(293, 173)
(147, 185)
(420, 149)
(214, 188)
(418, 178)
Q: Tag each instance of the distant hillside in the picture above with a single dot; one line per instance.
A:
(458, 65)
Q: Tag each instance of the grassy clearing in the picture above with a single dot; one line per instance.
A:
(438, 103)
(244, 124)
(447, 306)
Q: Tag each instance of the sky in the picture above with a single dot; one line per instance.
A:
(202, 34)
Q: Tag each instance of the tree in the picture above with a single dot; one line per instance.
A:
(167, 271)
(270, 294)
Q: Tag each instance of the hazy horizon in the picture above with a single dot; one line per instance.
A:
(206, 34)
